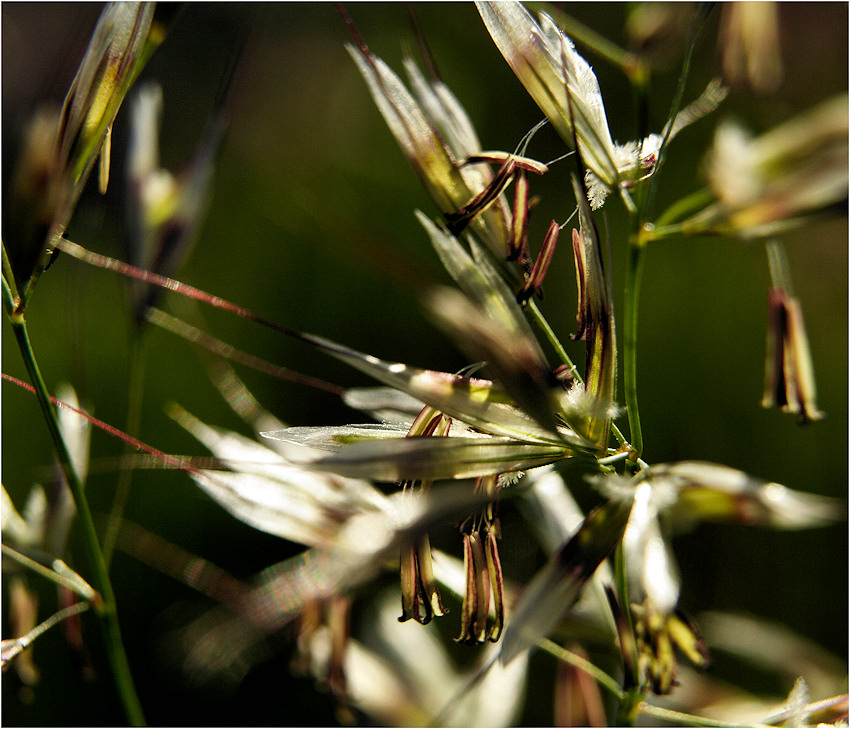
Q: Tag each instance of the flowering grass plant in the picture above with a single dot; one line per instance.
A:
(456, 522)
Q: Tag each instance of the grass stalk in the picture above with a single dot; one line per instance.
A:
(106, 611)
(577, 661)
(652, 188)
(552, 338)
(634, 273)
(679, 718)
(58, 572)
(550, 335)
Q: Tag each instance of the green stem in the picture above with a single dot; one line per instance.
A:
(541, 322)
(631, 699)
(641, 233)
(680, 718)
(632, 702)
(614, 458)
(106, 612)
(629, 707)
(26, 641)
(674, 109)
(562, 654)
(9, 280)
(684, 207)
(622, 585)
(58, 573)
(637, 250)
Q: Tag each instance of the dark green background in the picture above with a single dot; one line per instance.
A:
(311, 224)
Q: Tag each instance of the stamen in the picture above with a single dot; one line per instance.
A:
(457, 222)
(494, 568)
(541, 264)
(518, 241)
(476, 602)
(523, 163)
(482, 585)
(470, 600)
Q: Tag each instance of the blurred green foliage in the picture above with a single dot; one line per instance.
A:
(311, 224)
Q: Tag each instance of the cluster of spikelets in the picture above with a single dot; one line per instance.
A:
(362, 496)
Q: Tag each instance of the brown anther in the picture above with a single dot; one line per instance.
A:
(420, 599)
(457, 221)
(518, 241)
(541, 264)
(564, 374)
(522, 163)
(789, 379)
(494, 568)
(476, 601)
